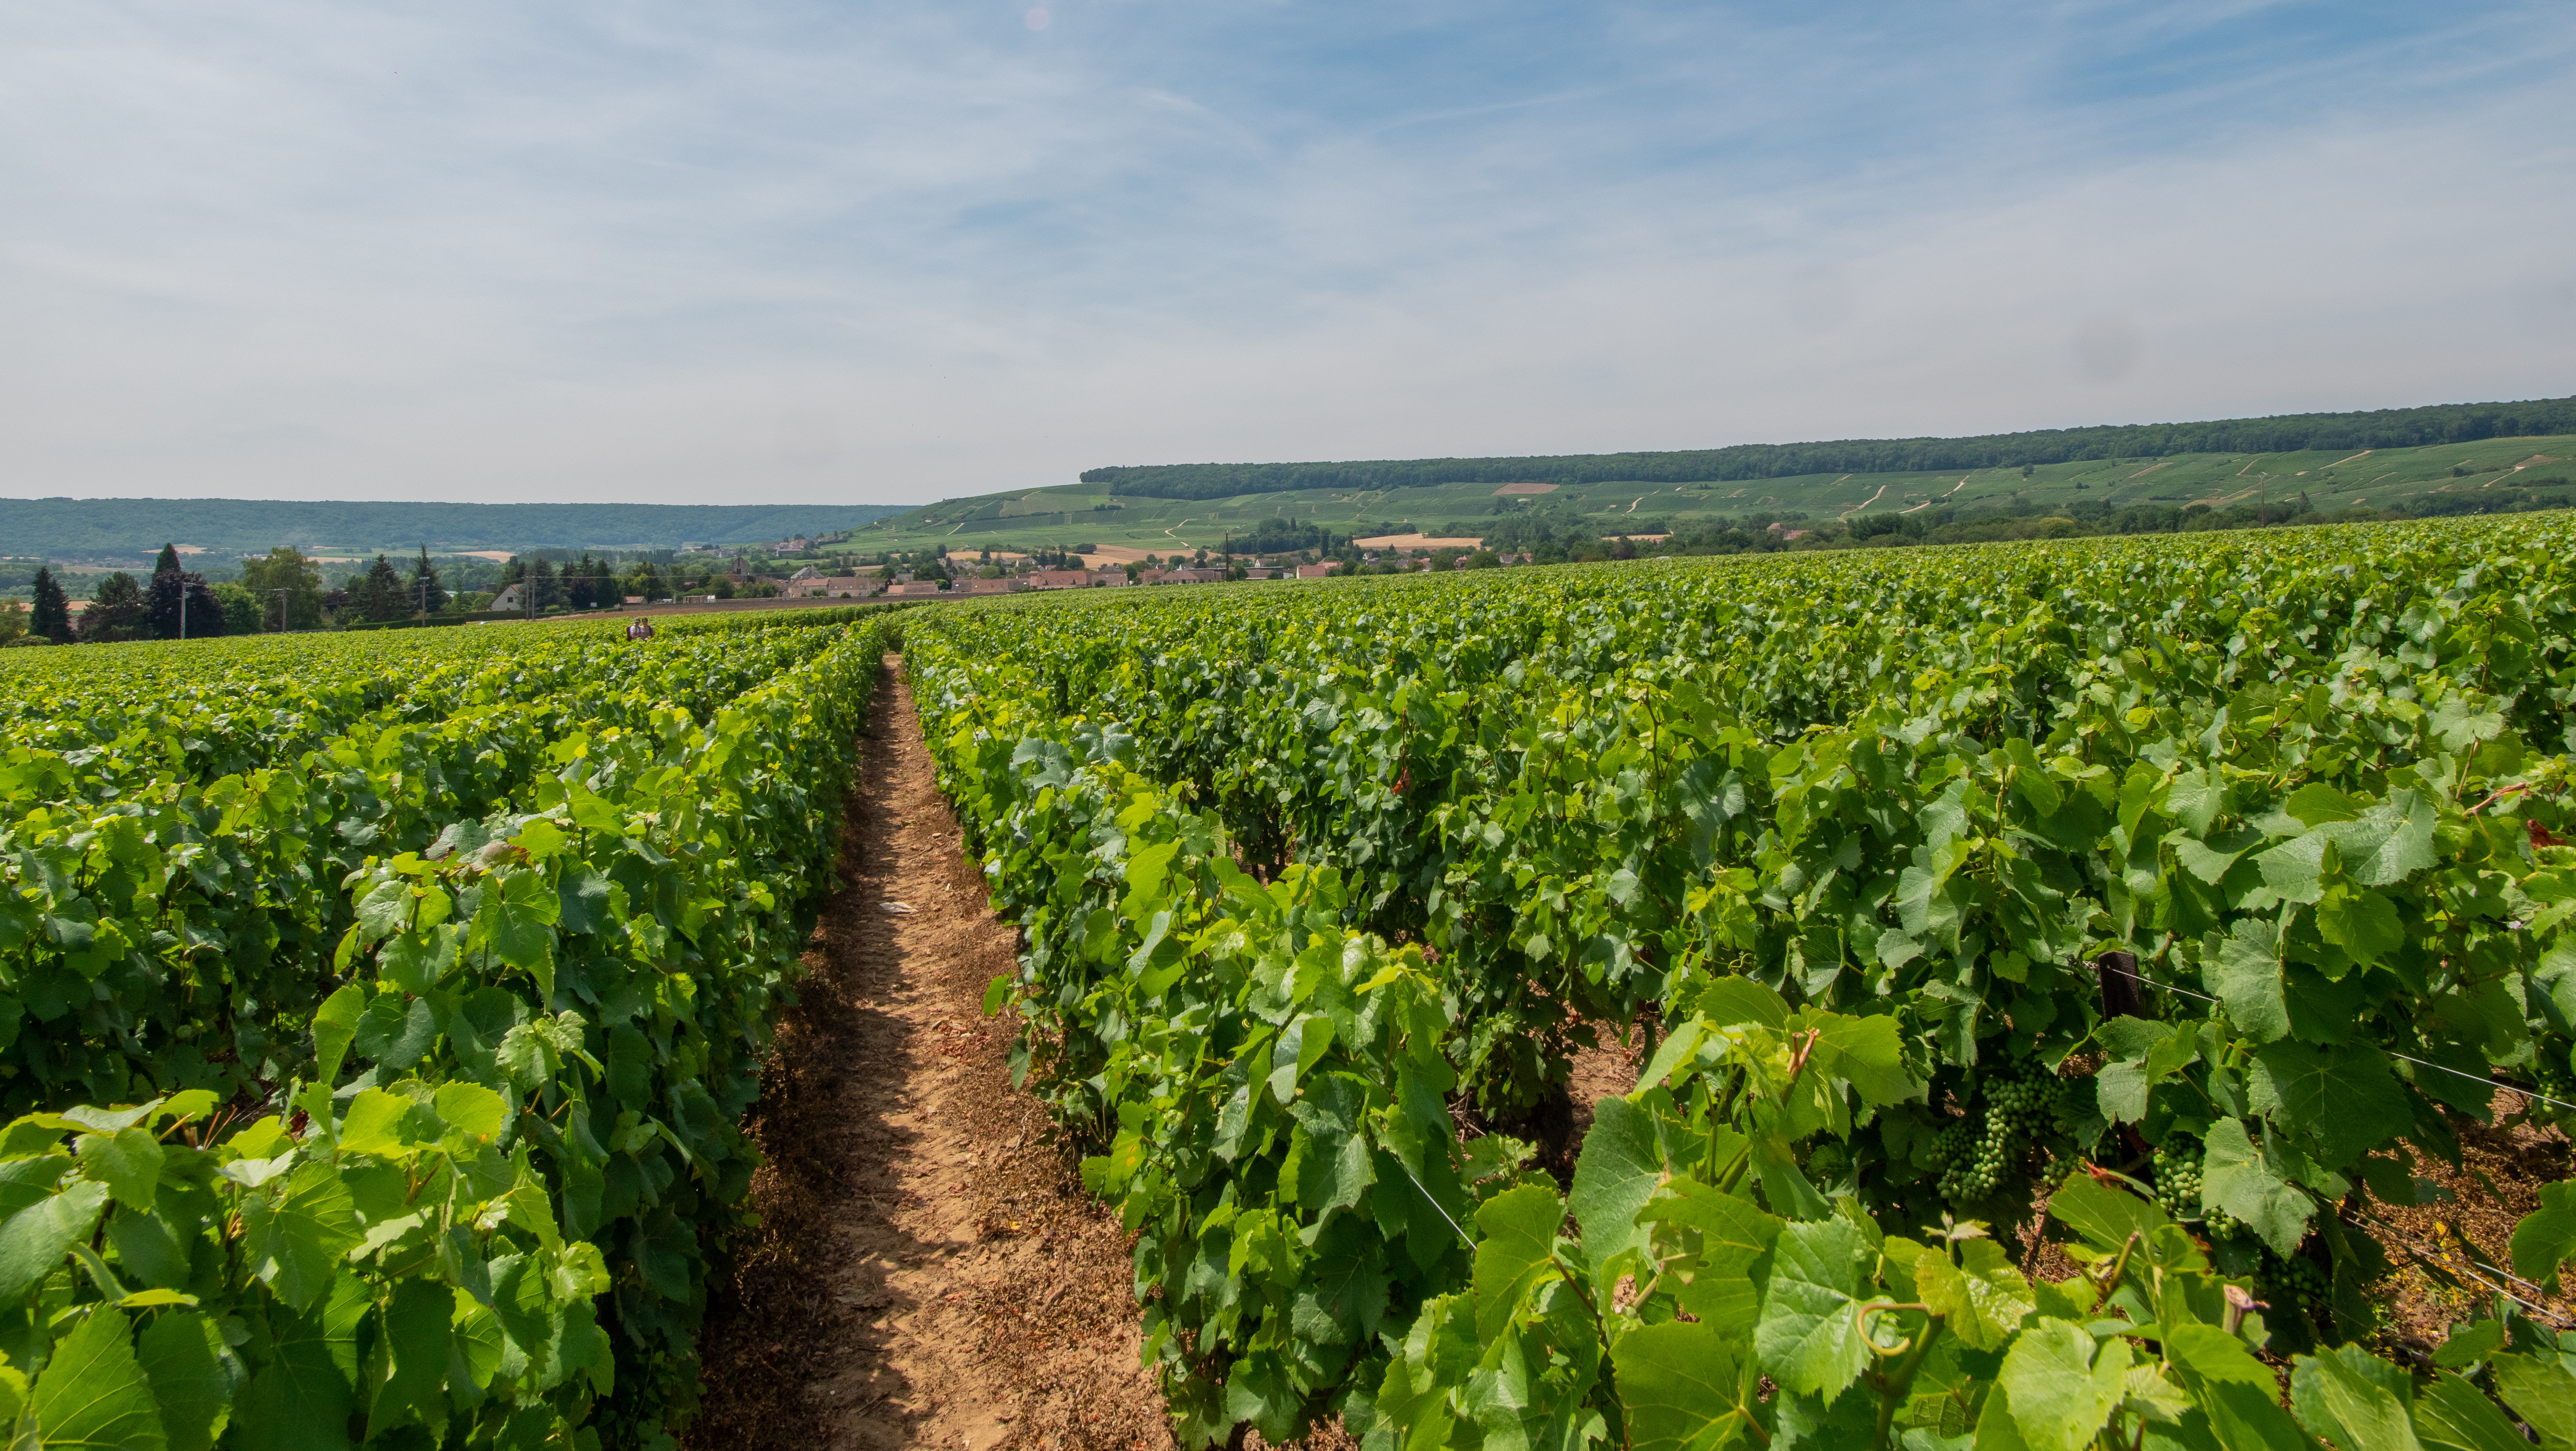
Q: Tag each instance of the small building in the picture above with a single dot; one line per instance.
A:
(989, 587)
(1113, 577)
(510, 598)
(808, 572)
(913, 588)
(1057, 579)
(1316, 571)
(1260, 571)
(797, 545)
(810, 586)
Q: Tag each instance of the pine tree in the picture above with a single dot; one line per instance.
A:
(53, 617)
(179, 604)
(580, 587)
(380, 595)
(163, 596)
(542, 585)
(427, 594)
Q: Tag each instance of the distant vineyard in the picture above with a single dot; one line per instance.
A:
(2192, 886)
(2387, 428)
(379, 1015)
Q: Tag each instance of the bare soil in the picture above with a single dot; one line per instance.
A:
(2452, 1255)
(928, 1270)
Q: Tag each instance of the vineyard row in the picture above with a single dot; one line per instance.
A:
(2230, 873)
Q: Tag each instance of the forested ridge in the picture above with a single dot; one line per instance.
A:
(107, 526)
(2284, 433)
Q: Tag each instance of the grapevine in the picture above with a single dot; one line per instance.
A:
(398, 937)
(1926, 791)
(2177, 1176)
(1980, 1153)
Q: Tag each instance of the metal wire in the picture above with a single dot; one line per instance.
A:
(2470, 1269)
(1463, 1235)
(2133, 976)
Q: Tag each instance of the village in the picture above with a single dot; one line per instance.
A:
(1001, 572)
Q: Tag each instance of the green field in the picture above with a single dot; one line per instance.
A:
(2325, 479)
(2208, 891)
(350, 996)
(388, 1017)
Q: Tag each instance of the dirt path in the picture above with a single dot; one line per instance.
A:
(929, 1271)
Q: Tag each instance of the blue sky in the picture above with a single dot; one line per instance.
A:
(892, 252)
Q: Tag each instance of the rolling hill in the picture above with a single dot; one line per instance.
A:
(2436, 459)
(93, 528)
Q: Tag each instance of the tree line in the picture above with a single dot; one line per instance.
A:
(285, 590)
(1274, 535)
(2286, 433)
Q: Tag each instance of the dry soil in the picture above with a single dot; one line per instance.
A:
(929, 1271)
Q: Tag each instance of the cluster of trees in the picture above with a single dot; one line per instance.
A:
(587, 583)
(285, 590)
(381, 593)
(1275, 535)
(1529, 529)
(282, 590)
(2287, 433)
(175, 603)
(584, 583)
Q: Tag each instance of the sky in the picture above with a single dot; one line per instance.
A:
(769, 252)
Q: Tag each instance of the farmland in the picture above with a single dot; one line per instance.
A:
(380, 1011)
(2418, 479)
(2042, 984)
(2204, 891)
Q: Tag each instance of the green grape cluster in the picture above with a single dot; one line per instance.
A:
(2178, 1183)
(1976, 1151)
(2296, 1281)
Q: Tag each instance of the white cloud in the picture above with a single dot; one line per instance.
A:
(791, 254)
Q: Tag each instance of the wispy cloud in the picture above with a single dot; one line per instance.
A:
(798, 251)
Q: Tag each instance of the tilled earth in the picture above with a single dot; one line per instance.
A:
(929, 1271)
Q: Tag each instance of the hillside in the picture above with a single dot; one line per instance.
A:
(2287, 433)
(90, 528)
(2482, 474)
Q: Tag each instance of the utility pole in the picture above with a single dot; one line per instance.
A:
(281, 609)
